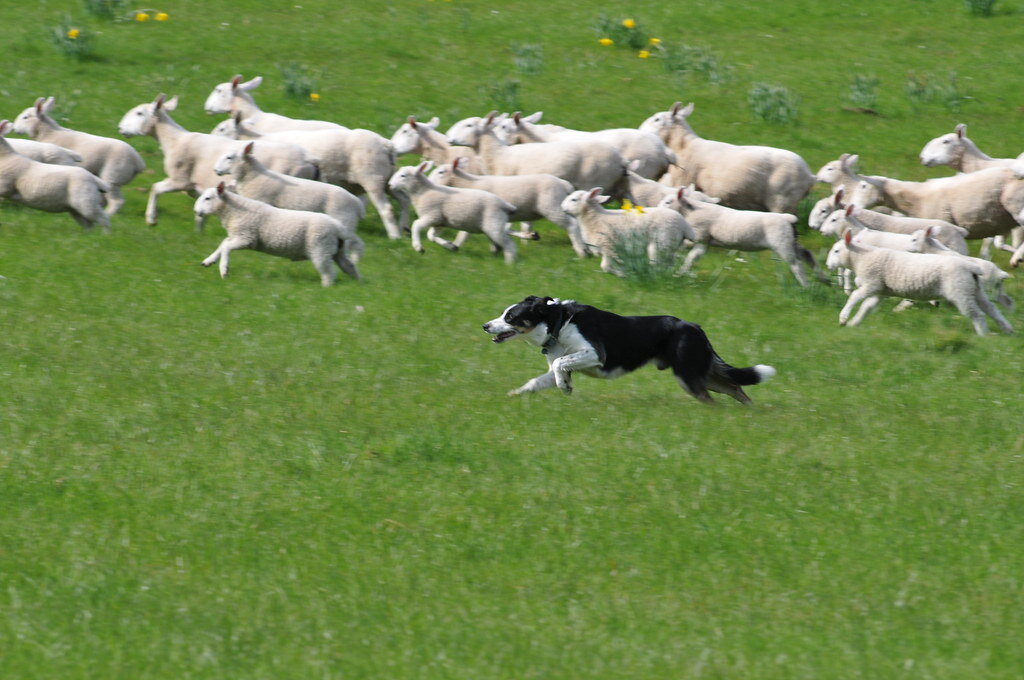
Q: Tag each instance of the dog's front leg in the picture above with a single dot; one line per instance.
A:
(541, 382)
(563, 367)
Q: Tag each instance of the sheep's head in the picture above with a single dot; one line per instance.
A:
(839, 253)
(209, 201)
(575, 202)
(232, 160)
(443, 175)
(867, 193)
(407, 177)
(466, 132)
(221, 99)
(663, 122)
(141, 120)
(27, 122)
(409, 137)
(945, 150)
(820, 212)
(228, 127)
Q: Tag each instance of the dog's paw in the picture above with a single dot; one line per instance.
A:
(513, 393)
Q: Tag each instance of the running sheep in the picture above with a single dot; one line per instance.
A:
(45, 152)
(112, 160)
(924, 241)
(469, 210)
(293, 234)
(252, 179)
(884, 272)
(52, 188)
(234, 96)
(663, 231)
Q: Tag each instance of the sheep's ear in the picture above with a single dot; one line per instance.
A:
(837, 197)
(674, 109)
(634, 164)
(686, 111)
(842, 159)
(248, 148)
(457, 162)
(928, 232)
(593, 193)
(433, 123)
(490, 117)
(237, 117)
(411, 120)
(250, 85)
(236, 80)
(171, 103)
(158, 103)
(961, 130)
(39, 105)
(534, 117)
(852, 160)
(424, 167)
(850, 209)
(221, 189)
(48, 104)
(847, 236)
(5, 127)
(517, 117)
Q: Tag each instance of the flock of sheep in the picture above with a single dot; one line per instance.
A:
(290, 188)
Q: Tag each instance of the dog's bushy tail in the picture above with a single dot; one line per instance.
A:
(752, 375)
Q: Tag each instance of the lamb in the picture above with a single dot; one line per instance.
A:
(357, 160)
(424, 139)
(53, 188)
(950, 235)
(582, 164)
(234, 96)
(884, 272)
(924, 241)
(985, 203)
(294, 234)
(45, 152)
(189, 156)
(465, 209)
(652, 156)
(744, 177)
(112, 160)
(958, 152)
(253, 180)
(534, 196)
(749, 230)
(664, 230)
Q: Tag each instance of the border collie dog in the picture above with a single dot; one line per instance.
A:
(580, 338)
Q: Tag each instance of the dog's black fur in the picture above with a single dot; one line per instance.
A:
(622, 344)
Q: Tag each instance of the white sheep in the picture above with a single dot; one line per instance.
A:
(646, 192)
(189, 156)
(53, 188)
(924, 241)
(884, 272)
(360, 161)
(112, 160)
(417, 137)
(294, 234)
(744, 177)
(45, 152)
(985, 203)
(582, 164)
(1018, 166)
(949, 234)
(534, 197)
(663, 231)
(958, 152)
(234, 96)
(468, 210)
(748, 230)
(254, 180)
(653, 158)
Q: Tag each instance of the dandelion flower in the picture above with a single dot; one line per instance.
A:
(627, 205)
(74, 33)
(606, 41)
(629, 23)
(655, 41)
(314, 97)
(643, 54)
(639, 209)
(161, 16)
(141, 16)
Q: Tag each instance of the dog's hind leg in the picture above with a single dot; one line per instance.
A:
(541, 382)
(733, 390)
(695, 388)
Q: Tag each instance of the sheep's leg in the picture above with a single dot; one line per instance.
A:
(525, 231)
(387, 214)
(541, 382)
(502, 239)
(354, 247)
(347, 265)
(83, 221)
(572, 228)
(115, 200)
(695, 254)
(865, 309)
(904, 304)
(223, 251)
(847, 277)
(460, 238)
(165, 186)
(808, 257)
(988, 308)
(855, 297)
(418, 226)
(985, 252)
(444, 243)
(1002, 298)
(1017, 256)
(324, 264)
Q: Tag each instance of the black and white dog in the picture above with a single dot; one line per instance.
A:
(601, 344)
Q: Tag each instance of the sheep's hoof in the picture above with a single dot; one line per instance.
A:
(419, 250)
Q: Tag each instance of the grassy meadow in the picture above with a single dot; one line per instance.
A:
(258, 478)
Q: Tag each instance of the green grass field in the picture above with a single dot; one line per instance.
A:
(258, 478)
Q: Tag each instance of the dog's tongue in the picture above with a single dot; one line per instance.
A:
(502, 337)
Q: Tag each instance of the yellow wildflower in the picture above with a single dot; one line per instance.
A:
(655, 41)
(161, 16)
(74, 33)
(629, 23)
(141, 16)
(639, 209)
(606, 41)
(627, 205)
(643, 54)
(314, 97)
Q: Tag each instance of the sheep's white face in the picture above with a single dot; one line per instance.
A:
(917, 243)
(837, 256)
(404, 178)
(208, 202)
(219, 100)
(466, 132)
(821, 210)
(227, 163)
(657, 123)
(27, 122)
(574, 202)
(443, 175)
(406, 139)
(508, 132)
(866, 195)
(830, 173)
(834, 223)
(942, 150)
(226, 128)
(138, 121)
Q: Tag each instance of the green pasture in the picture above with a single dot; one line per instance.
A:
(258, 478)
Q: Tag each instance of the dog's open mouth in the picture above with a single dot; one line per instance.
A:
(502, 337)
